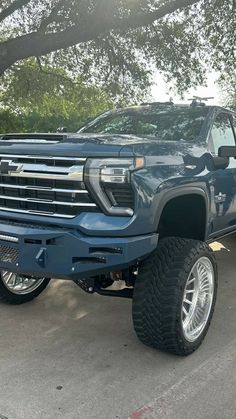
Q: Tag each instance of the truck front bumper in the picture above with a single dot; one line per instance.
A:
(67, 254)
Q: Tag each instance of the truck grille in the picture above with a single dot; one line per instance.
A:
(8, 254)
(50, 186)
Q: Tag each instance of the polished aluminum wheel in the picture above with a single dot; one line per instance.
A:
(198, 299)
(20, 284)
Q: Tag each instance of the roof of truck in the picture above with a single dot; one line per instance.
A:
(171, 105)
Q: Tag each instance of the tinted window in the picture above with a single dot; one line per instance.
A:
(121, 124)
(165, 123)
(221, 133)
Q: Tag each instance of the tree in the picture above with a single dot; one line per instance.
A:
(118, 42)
(230, 95)
(50, 99)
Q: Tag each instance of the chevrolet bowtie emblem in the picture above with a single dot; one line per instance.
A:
(7, 166)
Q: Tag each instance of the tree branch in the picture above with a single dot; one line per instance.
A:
(38, 43)
(51, 17)
(55, 74)
(16, 5)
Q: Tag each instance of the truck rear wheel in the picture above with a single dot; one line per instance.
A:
(19, 289)
(174, 296)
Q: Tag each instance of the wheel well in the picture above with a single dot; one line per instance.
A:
(184, 216)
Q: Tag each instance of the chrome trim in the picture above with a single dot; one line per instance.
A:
(19, 284)
(47, 201)
(18, 156)
(32, 167)
(31, 212)
(197, 299)
(70, 176)
(50, 170)
(43, 188)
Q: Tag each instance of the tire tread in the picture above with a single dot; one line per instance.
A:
(8, 297)
(158, 294)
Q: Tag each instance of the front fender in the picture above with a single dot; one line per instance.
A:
(165, 196)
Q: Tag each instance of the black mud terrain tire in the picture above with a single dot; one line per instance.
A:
(9, 297)
(159, 291)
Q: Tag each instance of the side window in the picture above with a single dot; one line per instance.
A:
(221, 133)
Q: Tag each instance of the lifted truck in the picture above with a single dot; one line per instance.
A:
(135, 196)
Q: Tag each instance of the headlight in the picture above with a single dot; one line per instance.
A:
(109, 181)
(114, 175)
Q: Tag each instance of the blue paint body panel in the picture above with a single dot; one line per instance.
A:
(64, 253)
(66, 248)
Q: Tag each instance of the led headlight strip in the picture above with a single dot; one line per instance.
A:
(113, 171)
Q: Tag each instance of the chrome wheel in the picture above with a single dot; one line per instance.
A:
(20, 284)
(198, 299)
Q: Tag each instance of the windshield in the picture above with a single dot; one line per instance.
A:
(172, 124)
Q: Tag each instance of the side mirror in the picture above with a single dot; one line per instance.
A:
(227, 151)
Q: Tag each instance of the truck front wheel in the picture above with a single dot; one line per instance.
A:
(174, 296)
(19, 289)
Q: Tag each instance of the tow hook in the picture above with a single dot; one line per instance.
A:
(87, 285)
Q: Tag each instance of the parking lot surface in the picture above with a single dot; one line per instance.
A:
(75, 356)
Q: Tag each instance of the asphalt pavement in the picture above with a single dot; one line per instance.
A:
(75, 356)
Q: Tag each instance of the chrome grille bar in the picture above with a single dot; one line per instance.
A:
(43, 188)
(31, 175)
(40, 171)
(37, 185)
(48, 201)
(43, 168)
(32, 212)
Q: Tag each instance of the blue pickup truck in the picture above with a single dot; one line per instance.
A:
(126, 207)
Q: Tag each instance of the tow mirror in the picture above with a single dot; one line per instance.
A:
(227, 151)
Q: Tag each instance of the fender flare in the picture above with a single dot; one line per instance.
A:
(180, 192)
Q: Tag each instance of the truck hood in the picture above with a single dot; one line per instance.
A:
(94, 145)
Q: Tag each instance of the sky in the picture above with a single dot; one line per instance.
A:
(160, 91)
